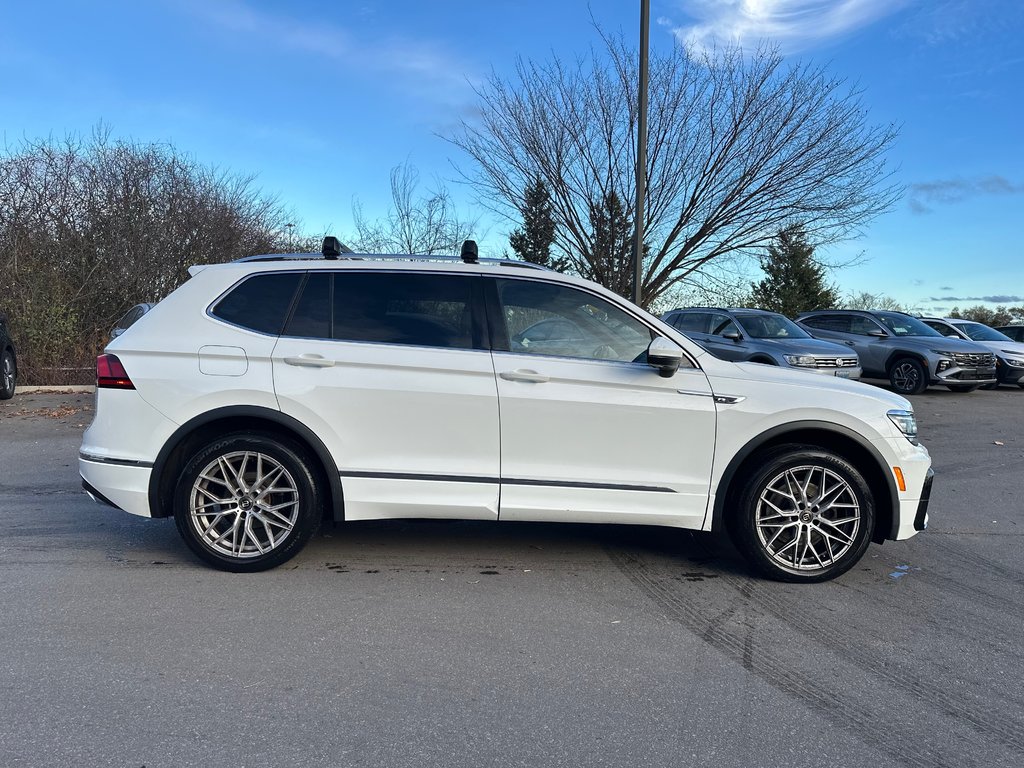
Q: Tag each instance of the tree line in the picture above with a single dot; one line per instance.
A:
(749, 156)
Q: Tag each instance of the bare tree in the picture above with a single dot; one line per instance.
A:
(738, 149)
(90, 226)
(867, 300)
(426, 224)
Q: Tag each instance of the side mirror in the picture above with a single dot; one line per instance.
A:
(733, 335)
(878, 333)
(664, 356)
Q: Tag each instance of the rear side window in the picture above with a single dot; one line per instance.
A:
(695, 322)
(837, 323)
(414, 309)
(260, 303)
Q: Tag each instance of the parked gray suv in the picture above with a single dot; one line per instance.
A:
(757, 336)
(901, 348)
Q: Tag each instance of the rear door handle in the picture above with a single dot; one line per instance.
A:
(309, 361)
(524, 374)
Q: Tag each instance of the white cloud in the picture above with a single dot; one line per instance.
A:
(793, 25)
(422, 63)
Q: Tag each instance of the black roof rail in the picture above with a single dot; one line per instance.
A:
(352, 256)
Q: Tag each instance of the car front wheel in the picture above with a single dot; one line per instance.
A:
(908, 376)
(247, 502)
(803, 515)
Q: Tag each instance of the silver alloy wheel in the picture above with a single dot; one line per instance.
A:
(8, 372)
(807, 518)
(905, 377)
(244, 504)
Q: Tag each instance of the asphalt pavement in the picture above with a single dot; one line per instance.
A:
(422, 643)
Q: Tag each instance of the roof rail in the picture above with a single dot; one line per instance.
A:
(387, 257)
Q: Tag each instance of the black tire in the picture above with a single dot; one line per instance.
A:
(908, 376)
(239, 519)
(961, 389)
(829, 540)
(8, 375)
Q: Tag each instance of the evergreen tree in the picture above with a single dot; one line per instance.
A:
(794, 282)
(611, 246)
(532, 242)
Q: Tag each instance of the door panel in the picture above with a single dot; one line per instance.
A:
(412, 428)
(585, 439)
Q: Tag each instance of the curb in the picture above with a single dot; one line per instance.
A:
(57, 389)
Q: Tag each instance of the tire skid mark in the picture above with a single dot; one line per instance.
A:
(870, 726)
(990, 722)
(978, 562)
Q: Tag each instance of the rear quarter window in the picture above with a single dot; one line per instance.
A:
(259, 303)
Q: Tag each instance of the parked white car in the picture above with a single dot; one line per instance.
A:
(1009, 353)
(266, 393)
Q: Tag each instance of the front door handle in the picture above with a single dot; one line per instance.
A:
(309, 361)
(524, 374)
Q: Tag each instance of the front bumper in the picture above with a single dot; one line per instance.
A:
(972, 376)
(852, 373)
(1009, 374)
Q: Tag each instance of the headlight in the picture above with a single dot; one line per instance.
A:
(944, 354)
(801, 361)
(905, 423)
(1016, 362)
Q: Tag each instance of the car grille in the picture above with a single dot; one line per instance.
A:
(835, 362)
(974, 359)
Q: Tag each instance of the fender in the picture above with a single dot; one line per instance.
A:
(246, 412)
(772, 436)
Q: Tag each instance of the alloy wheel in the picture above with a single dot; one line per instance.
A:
(244, 504)
(906, 377)
(807, 518)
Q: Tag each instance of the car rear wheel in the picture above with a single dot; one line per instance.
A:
(804, 515)
(908, 376)
(247, 502)
(8, 375)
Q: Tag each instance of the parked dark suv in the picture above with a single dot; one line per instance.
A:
(901, 348)
(1015, 332)
(8, 361)
(757, 336)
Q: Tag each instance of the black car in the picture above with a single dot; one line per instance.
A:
(8, 361)
(1015, 332)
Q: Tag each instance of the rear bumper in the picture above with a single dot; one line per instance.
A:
(117, 483)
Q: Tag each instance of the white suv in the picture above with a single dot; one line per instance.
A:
(265, 394)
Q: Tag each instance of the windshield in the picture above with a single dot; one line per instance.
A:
(764, 326)
(905, 325)
(980, 332)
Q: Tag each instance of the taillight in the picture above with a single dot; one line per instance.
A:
(110, 374)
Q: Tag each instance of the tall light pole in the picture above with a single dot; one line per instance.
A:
(641, 153)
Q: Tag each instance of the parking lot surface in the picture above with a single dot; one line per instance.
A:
(421, 643)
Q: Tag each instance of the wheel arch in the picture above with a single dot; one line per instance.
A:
(763, 359)
(832, 437)
(901, 353)
(180, 445)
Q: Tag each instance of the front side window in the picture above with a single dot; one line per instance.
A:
(548, 319)
(259, 303)
(765, 326)
(722, 324)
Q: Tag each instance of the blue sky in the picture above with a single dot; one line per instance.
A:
(321, 99)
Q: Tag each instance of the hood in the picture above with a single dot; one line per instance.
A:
(1003, 348)
(814, 347)
(720, 372)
